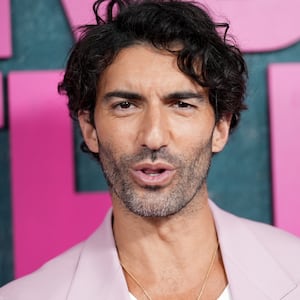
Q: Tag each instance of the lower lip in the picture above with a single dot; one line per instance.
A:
(161, 179)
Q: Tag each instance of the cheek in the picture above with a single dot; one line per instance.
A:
(192, 132)
(119, 138)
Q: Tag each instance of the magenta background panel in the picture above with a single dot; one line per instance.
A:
(5, 29)
(79, 12)
(1, 102)
(260, 25)
(250, 35)
(284, 91)
(48, 215)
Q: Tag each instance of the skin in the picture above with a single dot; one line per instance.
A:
(155, 132)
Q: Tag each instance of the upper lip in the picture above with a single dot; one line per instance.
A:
(153, 166)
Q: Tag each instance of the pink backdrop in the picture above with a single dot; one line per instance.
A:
(284, 91)
(254, 22)
(5, 29)
(48, 214)
(1, 102)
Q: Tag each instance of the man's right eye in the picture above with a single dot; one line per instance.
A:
(123, 105)
(123, 108)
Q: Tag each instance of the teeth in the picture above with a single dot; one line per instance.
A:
(152, 172)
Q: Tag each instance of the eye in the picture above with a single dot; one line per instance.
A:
(182, 104)
(123, 108)
(124, 105)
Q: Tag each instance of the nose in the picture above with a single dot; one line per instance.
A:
(154, 130)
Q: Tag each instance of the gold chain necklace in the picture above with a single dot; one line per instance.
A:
(202, 287)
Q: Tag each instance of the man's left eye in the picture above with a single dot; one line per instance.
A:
(124, 104)
(182, 104)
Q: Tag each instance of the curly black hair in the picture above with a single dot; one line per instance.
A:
(211, 60)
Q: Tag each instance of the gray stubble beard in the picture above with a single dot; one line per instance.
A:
(156, 202)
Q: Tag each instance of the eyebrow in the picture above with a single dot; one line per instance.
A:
(179, 95)
(185, 95)
(123, 95)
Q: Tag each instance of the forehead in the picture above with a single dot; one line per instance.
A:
(145, 67)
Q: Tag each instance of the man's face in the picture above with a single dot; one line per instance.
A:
(155, 132)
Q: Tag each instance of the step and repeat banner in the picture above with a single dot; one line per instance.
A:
(52, 195)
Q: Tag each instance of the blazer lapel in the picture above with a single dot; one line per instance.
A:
(98, 274)
(251, 270)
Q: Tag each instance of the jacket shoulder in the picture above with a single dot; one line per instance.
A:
(250, 243)
(51, 281)
(282, 246)
(278, 241)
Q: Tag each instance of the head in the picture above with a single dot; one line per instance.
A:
(156, 90)
(185, 29)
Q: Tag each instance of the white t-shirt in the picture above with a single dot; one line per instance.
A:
(224, 296)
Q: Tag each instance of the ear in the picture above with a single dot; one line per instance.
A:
(221, 134)
(88, 131)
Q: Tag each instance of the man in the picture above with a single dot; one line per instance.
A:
(157, 91)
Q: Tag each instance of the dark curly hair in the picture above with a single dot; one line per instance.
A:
(207, 58)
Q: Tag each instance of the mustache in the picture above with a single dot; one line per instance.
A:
(143, 153)
(146, 153)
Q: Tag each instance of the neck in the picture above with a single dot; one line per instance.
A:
(193, 226)
(176, 248)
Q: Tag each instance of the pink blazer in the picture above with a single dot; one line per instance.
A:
(261, 262)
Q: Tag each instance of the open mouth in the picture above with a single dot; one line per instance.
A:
(159, 174)
(152, 172)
